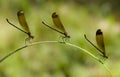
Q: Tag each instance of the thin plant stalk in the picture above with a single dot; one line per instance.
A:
(11, 53)
(69, 44)
(41, 42)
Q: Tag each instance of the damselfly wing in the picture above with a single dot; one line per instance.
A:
(23, 23)
(57, 22)
(22, 20)
(100, 42)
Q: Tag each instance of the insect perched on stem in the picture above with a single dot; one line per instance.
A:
(100, 43)
(57, 22)
(23, 23)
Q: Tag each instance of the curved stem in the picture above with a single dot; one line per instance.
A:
(69, 44)
(85, 52)
(40, 42)
(35, 43)
(11, 53)
(25, 46)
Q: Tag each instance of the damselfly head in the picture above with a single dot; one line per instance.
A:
(66, 35)
(30, 36)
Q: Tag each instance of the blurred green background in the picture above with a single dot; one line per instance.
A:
(53, 59)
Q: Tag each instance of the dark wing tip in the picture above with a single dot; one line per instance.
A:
(85, 35)
(43, 22)
(20, 12)
(98, 32)
(54, 15)
(6, 19)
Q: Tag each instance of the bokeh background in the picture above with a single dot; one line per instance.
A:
(53, 59)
